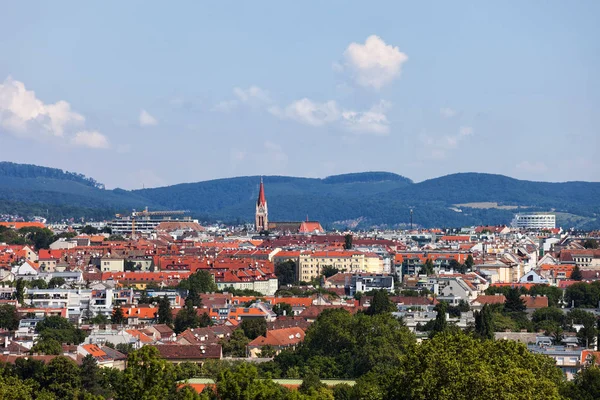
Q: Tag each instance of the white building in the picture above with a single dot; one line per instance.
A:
(534, 221)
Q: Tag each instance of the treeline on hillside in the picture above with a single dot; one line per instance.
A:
(34, 171)
(366, 177)
(54, 212)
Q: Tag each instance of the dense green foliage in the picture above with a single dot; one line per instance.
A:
(286, 273)
(59, 329)
(200, 281)
(373, 197)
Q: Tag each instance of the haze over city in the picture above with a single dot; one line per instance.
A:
(155, 93)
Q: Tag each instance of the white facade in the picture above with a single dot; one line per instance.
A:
(535, 221)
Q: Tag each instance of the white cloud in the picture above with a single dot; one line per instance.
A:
(447, 112)
(91, 139)
(146, 119)
(439, 147)
(465, 131)
(22, 114)
(225, 106)
(373, 64)
(534, 167)
(372, 121)
(253, 96)
(308, 112)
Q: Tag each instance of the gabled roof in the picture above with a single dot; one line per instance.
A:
(189, 352)
(279, 337)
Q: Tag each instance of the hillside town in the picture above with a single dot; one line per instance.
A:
(197, 294)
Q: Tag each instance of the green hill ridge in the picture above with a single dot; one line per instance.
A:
(357, 200)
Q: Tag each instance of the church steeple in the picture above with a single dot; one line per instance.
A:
(262, 214)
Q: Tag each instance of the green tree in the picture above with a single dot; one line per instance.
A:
(90, 374)
(38, 284)
(585, 386)
(20, 291)
(147, 376)
(514, 302)
(59, 329)
(243, 384)
(310, 384)
(576, 274)
(100, 319)
(348, 241)
(340, 344)
(427, 268)
(381, 303)
(194, 296)
(329, 270)
(283, 309)
(56, 282)
(11, 387)
(63, 378)
(202, 281)
(254, 327)
(187, 317)
(89, 230)
(117, 316)
(440, 323)
(9, 318)
(590, 244)
(286, 272)
(588, 333)
(548, 313)
(165, 314)
(469, 262)
(458, 366)
(48, 347)
(484, 324)
(582, 294)
(235, 346)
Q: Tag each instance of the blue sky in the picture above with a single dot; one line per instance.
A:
(141, 93)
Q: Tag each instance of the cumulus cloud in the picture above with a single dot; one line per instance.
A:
(253, 96)
(373, 64)
(309, 112)
(22, 114)
(372, 121)
(440, 146)
(90, 139)
(447, 112)
(146, 119)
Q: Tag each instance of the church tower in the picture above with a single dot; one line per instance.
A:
(262, 215)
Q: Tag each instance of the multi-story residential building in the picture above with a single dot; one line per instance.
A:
(311, 263)
(360, 282)
(144, 222)
(534, 221)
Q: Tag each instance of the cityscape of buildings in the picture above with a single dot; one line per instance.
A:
(134, 261)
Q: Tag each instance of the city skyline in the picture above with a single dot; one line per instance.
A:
(170, 94)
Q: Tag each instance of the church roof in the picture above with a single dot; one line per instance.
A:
(262, 200)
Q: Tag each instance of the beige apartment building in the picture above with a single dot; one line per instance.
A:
(311, 263)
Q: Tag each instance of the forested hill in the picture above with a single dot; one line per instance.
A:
(351, 200)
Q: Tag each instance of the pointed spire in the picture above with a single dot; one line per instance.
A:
(262, 200)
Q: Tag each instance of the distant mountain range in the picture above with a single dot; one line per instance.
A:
(359, 200)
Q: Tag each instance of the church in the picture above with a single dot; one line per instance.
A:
(262, 223)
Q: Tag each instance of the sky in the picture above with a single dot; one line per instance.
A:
(153, 93)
